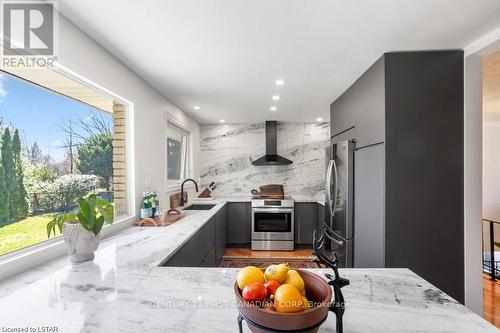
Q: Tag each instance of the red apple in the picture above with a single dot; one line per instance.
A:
(271, 286)
(254, 292)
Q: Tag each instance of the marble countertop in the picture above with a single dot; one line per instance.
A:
(124, 290)
(248, 198)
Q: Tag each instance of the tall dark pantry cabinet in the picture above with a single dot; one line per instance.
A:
(405, 114)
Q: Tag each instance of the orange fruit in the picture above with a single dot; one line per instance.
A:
(287, 298)
(249, 274)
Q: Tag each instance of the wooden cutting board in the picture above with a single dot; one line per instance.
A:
(175, 200)
(272, 191)
(172, 216)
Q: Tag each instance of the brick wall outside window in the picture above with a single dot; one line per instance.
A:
(119, 170)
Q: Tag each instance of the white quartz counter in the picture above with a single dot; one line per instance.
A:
(124, 290)
(248, 198)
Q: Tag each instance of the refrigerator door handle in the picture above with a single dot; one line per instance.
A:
(328, 187)
(335, 188)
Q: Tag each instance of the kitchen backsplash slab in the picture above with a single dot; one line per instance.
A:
(227, 152)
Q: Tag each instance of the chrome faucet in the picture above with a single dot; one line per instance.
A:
(182, 189)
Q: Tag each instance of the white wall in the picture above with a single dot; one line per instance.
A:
(491, 168)
(472, 182)
(491, 176)
(82, 55)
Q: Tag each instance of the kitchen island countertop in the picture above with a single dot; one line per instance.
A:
(124, 290)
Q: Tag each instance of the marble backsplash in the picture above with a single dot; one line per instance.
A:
(227, 152)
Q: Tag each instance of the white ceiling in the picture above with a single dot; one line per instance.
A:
(224, 55)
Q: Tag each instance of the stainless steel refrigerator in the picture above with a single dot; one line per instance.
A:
(339, 203)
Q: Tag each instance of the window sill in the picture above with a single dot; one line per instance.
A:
(33, 256)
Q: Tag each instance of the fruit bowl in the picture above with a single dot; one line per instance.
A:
(262, 320)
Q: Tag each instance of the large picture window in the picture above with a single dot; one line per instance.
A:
(177, 153)
(54, 149)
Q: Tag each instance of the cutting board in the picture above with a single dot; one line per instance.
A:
(172, 216)
(272, 191)
(175, 200)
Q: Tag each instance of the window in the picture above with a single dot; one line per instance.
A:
(54, 150)
(177, 153)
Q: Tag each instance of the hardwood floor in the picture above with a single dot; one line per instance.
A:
(243, 253)
(491, 301)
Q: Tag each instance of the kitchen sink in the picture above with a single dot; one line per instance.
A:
(199, 207)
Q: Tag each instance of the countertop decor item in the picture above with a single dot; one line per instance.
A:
(166, 218)
(205, 193)
(82, 229)
(318, 291)
(337, 282)
(175, 199)
(271, 191)
(262, 320)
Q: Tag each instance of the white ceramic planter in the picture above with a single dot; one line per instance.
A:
(81, 243)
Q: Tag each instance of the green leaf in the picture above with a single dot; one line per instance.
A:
(84, 222)
(86, 215)
(91, 200)
(108, 212)
(98, 225)
(50, 226)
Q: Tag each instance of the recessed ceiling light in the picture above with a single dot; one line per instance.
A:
(279, 82)
(196, 107)
(276, 97)
(319, 119)
(222, 121)
(273, 108)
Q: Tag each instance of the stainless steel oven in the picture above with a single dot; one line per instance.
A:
(272, 224)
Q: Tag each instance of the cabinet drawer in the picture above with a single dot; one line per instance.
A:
(210, 260)
(194, 251)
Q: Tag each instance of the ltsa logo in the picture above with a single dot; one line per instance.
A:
(28, 27)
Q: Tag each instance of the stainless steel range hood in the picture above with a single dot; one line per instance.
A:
(271, 157)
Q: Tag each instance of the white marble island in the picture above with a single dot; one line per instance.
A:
(124, 290)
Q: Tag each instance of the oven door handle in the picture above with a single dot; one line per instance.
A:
(272, 210)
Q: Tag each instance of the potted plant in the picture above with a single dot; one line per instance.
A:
(82, 229)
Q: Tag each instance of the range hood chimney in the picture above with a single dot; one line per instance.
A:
(271, 157)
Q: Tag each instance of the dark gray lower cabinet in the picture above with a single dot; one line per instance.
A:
(221, 234)
(321, 219)
(220, 248)
(210, 260)
(239, 221)
(206, 247)
(196, 249)
(306, 220)
(221, 224)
